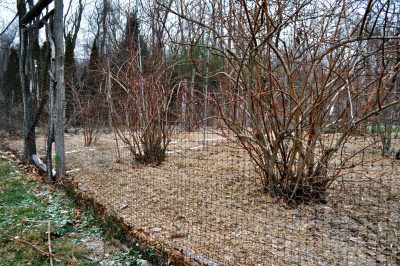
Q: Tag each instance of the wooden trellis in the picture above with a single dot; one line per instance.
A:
(31, 21)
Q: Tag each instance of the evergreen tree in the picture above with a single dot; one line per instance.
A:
(12, 85)
(69, 75)
(11, 94)
(133, 39)
(94, 57)
(91, 101)
(91, 77)
(43, 66)
(69, 62)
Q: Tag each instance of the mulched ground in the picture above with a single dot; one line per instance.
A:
(207, 203)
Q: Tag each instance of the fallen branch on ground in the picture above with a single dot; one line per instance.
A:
(49, 242)
(41, 165)
(49, 254)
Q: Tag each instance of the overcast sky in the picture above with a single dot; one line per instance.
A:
(8, 11)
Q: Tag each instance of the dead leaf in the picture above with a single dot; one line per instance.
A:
(178, 235)
(34, 178)
(76, 216)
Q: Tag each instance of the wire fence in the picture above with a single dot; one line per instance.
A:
(10, 118)
(206, 201)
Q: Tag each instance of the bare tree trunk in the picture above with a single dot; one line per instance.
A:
(397, 84)
(29, 138)
(77, 24)
(184, 90)
(385, 132)
(105, 57)
(191, 101)
(50, 136)
(59, 120)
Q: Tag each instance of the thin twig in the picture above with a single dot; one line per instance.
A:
(38, 249)
(49, 242)
(9, 24)
(34, 247)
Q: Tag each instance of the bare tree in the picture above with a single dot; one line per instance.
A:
(72, 21)
(387, 57)
(290, 75)
(6, 90)
(89, 112)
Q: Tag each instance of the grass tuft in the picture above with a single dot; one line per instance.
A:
(25, 208)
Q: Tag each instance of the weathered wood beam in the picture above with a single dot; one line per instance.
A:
(29, 136)
(41, 165)
(42, 22)
(35, 11)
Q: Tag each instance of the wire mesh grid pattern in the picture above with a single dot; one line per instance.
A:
(233, 132)
(206, 201)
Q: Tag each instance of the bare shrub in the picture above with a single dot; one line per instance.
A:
(141, 109)
(89, 113)
(292, 73)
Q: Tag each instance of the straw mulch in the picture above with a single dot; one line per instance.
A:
(207, 203)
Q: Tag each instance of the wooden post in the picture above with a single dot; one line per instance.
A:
(30, 21)
(184, 104)
(29, 138)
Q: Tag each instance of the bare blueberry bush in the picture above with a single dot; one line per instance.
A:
(141, 109)
(298, 80)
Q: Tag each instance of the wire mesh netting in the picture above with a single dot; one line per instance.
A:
(206, 200)
(229, 132)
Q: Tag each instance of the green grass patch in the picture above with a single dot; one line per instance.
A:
(76, 236)
(24, 209)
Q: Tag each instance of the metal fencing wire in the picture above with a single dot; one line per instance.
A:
(206, 200)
